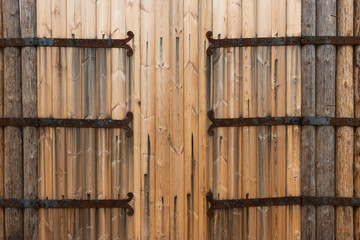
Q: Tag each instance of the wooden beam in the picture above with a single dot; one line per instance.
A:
(308, 27)
(13, 167)
(325, 106)
(29, 108)
(357, 114)
(344, 108)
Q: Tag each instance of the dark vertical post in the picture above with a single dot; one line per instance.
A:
(13, 168)
(325, 107)
(308, 188)
(29, 109)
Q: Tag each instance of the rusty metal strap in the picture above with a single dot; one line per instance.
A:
(69, 203)
(279, 201)
(71, 123)
(273, 121)
(69, 42)
(279, 41)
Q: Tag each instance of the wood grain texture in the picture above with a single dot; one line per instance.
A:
(293, 108)
(249, 137)
(147, 136)
(178, 198)
(325, 106)
(163, 218)
(13, 162)
(29, 108)
(191, 116)
(205, 23)
(357, 115)
(263, 101)
(219, 105)
(278, 133)
(344, 108)
(308, 187)
(2, 185)
(234, 57)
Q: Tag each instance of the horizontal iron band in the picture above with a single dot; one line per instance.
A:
(280, 41)
(69, 42)
(274, 121)
(279, 201)
(69, 203)
(75, 123)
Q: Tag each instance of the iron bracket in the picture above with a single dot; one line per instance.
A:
(279, 41)
(75, 123)
(69, 42)
(69, 203)
(273, 121)
(278, 201)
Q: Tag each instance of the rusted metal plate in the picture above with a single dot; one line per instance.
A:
(279, 41)
(75, 123)
(69, 42)
(69, 203)
(273, 121)
(279, 201)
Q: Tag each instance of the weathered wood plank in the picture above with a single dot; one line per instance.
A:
(325, 106)
(29, 109)
(308, 188)
(162, 146)
(278, 133)
(234, 55)
(205, 10)
(191, 117)
(13, 162)
(344, 108)
(357, 115)
(176, 121)
(147, 136)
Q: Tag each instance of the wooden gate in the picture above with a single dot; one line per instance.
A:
(180, 119)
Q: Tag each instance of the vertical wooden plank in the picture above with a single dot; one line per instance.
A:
(325, 107)
(249, 138)
(308, 188)
(133, 24)
(58, 20)
(175, 97)
(13, 162)
(263, 79)
(98, 102)
(205, 17)
(278, 108)
(162, 147)
(74, 95)
(357, 115)
(89, 160)
(344, 108)
(45, 90)
(147, 119)
(118, 108)
(293, 108)
(191, 117)
(234, 55)
(29, 109)
(220, 160)
(2, 185)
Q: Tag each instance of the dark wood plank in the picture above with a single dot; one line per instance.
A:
(325, 106)
(29, 109)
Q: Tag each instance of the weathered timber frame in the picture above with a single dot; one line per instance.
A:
(274, 121)
(69, 203)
